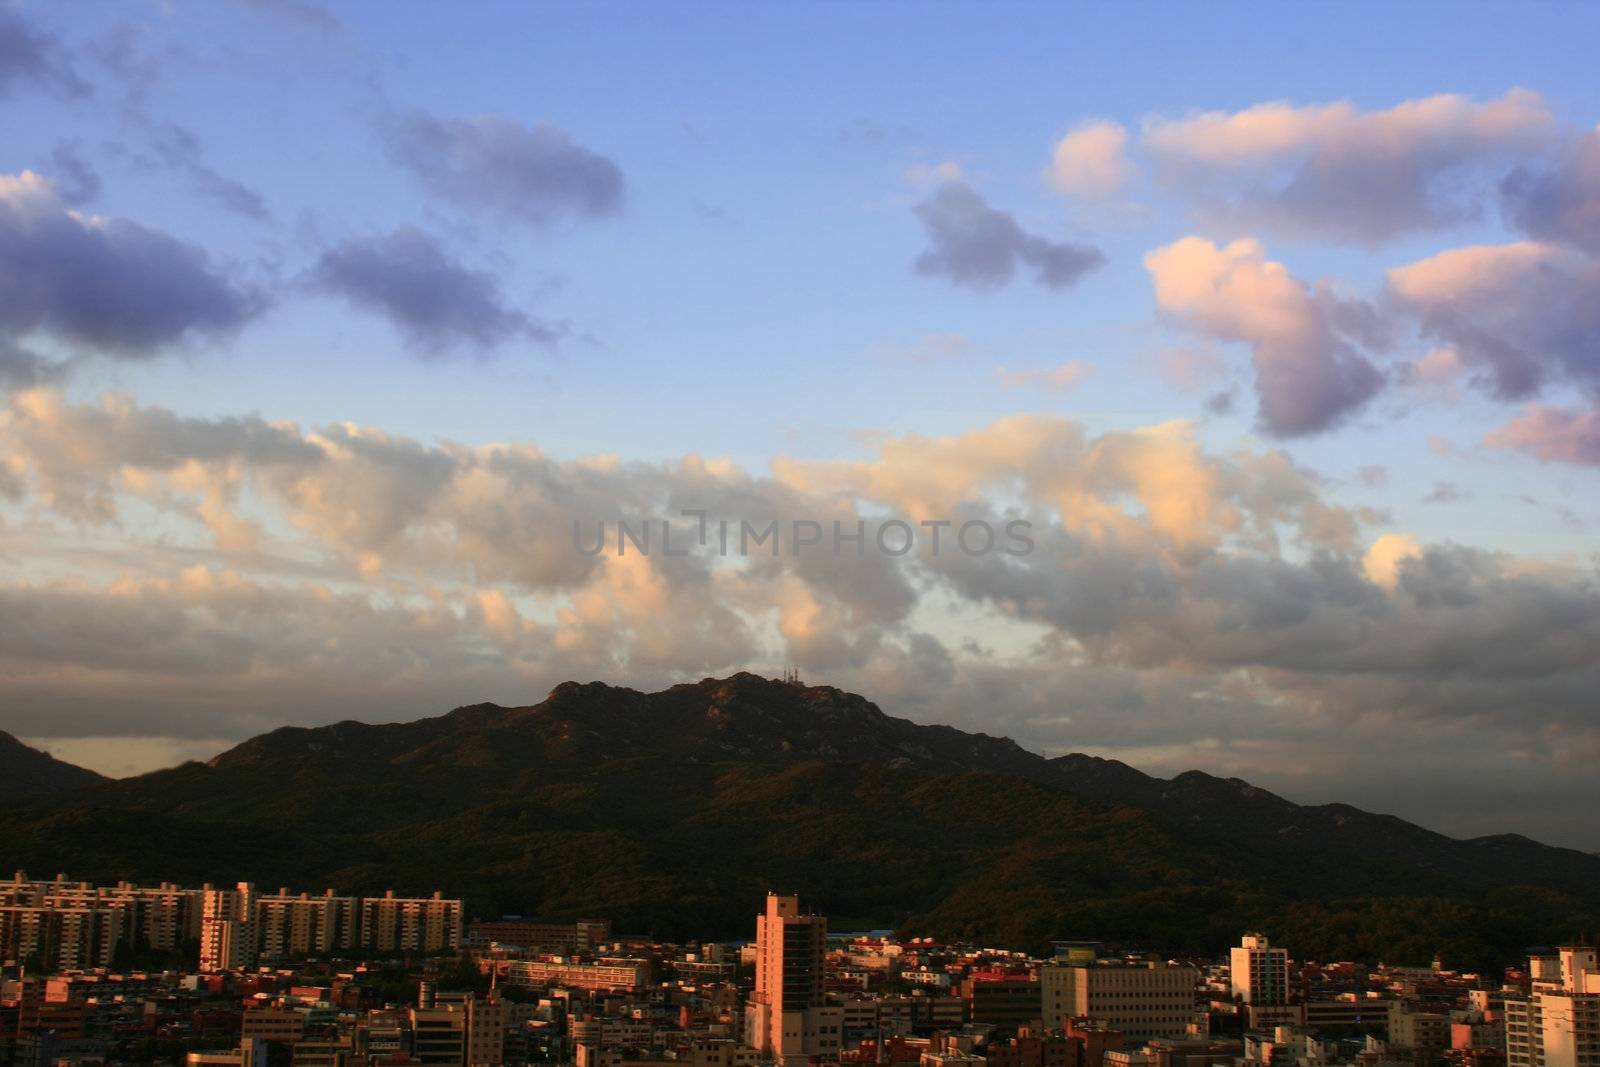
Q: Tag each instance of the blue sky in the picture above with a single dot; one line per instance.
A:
(750, 293)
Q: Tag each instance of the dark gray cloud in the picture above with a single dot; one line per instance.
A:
(975, 245)
(22, 369)
(537, 175)
(435, 301)
(1560, 201)
(30, 56)
(107, 284)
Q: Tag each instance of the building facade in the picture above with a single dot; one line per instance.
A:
(787, 1018)
(1259, 972)
(1141, 1001)
(1557, 1024)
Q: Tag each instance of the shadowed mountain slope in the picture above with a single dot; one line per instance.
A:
(674, 812)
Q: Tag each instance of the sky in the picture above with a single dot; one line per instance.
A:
(323, 327)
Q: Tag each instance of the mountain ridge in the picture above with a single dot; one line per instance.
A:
(28, 771)
(671, 810)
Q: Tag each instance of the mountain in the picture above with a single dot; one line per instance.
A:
(674, 812)
(26, 771)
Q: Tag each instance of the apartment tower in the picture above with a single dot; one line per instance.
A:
(1259, 972)
(1558, 1023)
(786, 1019)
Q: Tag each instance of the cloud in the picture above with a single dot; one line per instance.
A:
(178, 147)
(1091, 162)
(29, 55)
(79, 182)
(535, 175)
(1446, 493)
(1059, 379)
(22, 369)
(1309, 371)
(1189, 368)
(977, 246)
(1519, 316)
(1219, 601)
(108, 285)
(1333, 172)
(1552, 434)
(1559, 201)
(437, 303)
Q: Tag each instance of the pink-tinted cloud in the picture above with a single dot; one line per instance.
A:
(1091, 162)
(1552, 434)
(1309, 372)
(1333, 171)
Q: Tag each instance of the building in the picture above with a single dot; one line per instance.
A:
(1142, 1001)
(248, 1054)
(285, 1025)
(1557, 1024)
(227, 928)
(1259, 972)
(1349, 1013)
(289, 925)
(155, 917)
(439, 1035)
(462, 1031)
(618, 975)
(1008, 1001)
(486, 1032)
(582, 936)
(325, 1052)
(59, 936)
(787, 1019)
(1420, 1031)
(417, 924)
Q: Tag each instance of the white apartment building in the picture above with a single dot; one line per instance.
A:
(1259, 972)
(1557, 1024)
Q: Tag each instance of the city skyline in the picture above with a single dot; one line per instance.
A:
(322, 327)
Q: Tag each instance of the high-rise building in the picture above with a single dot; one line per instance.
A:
(1141, 1000)
(1259, 972)
(421, 924)
(1557, 1024)
(291, 925)
(228, 928)
(787, 1019)
(60, 936)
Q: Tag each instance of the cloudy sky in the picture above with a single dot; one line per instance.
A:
(320, 327)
